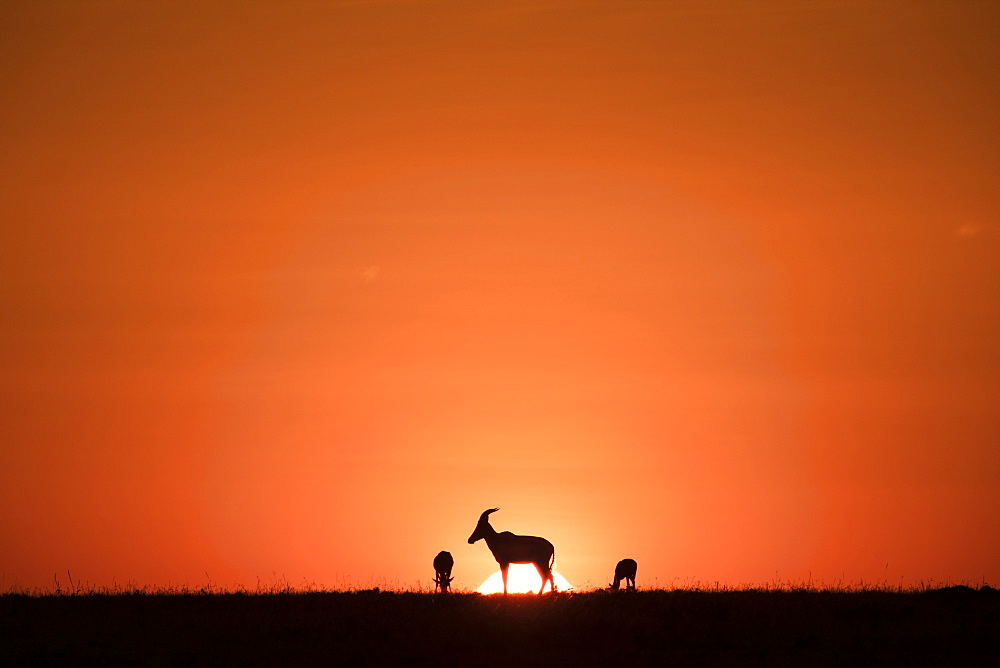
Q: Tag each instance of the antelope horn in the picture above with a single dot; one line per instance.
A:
(486, 514)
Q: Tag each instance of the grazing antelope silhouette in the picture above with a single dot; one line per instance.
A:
(508, 548)
(443, 563)
(625, 570)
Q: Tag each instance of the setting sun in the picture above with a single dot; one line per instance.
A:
(521, 579)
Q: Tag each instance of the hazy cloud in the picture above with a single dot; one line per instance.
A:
(967, 231)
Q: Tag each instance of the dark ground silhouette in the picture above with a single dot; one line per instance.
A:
(955, 626)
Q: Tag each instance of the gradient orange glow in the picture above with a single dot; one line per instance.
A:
(296, 290)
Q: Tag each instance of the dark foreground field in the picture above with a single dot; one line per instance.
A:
(955, 626)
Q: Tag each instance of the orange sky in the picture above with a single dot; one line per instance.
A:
(299, 289)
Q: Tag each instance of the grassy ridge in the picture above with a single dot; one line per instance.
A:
(955, 626)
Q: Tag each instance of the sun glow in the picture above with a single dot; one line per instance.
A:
(521, 579)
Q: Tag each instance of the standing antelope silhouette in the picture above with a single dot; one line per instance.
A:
(443, 563)
(625, 570)
(508, 548)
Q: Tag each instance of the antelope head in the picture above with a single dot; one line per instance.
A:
(483, 528)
